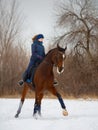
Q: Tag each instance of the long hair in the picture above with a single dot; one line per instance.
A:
(34, 38)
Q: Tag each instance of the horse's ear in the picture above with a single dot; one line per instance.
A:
(65, 48)
(61, 49)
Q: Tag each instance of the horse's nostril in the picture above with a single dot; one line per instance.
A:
(60, 70)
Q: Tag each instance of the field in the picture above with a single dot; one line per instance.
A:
(83, 115)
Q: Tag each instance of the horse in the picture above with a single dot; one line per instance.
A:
(44, 80)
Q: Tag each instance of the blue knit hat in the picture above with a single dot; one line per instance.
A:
(39, 36)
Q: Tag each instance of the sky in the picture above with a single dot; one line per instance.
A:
(39, 17)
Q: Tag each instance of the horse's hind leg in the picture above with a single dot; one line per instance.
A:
(37, 105)
(54, 92)
(25, 89)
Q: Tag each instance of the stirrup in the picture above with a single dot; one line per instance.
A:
(20, 83)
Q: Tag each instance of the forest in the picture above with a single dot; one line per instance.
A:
(77, 22)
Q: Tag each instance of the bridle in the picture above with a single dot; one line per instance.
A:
(52, 64)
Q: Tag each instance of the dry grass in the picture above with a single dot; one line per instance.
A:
(50, 96)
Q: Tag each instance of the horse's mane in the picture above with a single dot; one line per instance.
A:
(50, 51)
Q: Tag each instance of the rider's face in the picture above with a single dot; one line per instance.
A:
(41, 39)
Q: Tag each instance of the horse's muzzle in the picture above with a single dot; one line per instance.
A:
(60, 70)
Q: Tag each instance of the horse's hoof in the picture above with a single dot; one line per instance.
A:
(65, 113)
(36, 115)
(16, 116)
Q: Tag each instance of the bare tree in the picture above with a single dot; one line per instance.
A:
(78, 26)
(79, 22)
(11, 50)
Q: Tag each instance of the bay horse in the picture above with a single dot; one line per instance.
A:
(44, 80)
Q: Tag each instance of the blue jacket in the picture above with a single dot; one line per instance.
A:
(38, 54)
(38, 51)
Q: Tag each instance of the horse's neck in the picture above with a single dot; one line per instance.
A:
(50, 55)
(48, 65)
(48, 58)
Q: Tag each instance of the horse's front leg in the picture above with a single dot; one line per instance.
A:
(65, 113)
(25, 89)
(54, 92)
(37, 105)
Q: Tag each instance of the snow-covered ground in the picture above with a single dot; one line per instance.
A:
(83, 115)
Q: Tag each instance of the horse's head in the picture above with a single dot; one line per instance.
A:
(59, 58)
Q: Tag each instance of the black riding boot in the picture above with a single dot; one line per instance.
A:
(24, 78)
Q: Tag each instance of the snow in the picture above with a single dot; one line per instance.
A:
(83, 115)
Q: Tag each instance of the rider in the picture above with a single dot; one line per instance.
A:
(38, 54)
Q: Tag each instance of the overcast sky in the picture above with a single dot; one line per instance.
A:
(39, 16)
